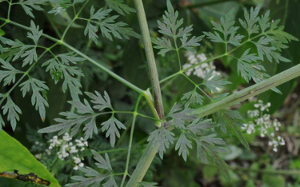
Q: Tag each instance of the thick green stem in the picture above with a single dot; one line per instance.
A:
(150, 57)
(143, 164)
(251, 91)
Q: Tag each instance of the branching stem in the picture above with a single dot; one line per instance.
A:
(150, 57)
(131, 139)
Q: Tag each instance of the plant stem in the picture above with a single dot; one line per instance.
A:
(74, 19)
(197, 86)
(9, 9)
(251, 91)
(178, 55)
(150, 57)
(143, 164)
(131, 139)
(152, 148)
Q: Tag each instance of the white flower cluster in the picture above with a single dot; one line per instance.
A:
(68, 148)
(264, 124)
(200, 70)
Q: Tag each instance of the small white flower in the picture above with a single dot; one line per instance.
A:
(201, 69)
(265, 125)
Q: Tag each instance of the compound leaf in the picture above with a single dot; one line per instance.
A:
(163, 137)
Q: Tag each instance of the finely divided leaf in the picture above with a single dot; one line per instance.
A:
(12, 111)
(163, 44)
(192, 98)
(198, 126)
(108, 26)
(101, 162)
(8, 74)
(180, 116)
(147, 184)
(37, 87)
(35, 33)
(120, 6)
(225, 32)
(209, 153)
(250, 22)
(112, 127)
(93, 178)
(171, 27)
(100, 102)
(231, 122)
(61, 65)
(163, 137)
(214, 82)
(183, 144)
(249, 67)
(32, 4)
(73, 121)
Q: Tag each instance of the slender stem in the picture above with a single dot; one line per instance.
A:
(197, 86)
(178, 55)
(131, 139)
(251, 91)
(9, 9)
(150, 57)
(143, 164)
(74, 19)
(68, 27)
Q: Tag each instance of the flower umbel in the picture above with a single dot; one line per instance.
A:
(264, 125)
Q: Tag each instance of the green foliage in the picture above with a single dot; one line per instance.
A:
(8, 74)
(271, 40)
(231, 122)
(60, 66)
(14, 156)
(209, 149)
(214, 82)
(120, 7)
(192, 98)
(12, 110)
(108, 26)
(183, 144)
(29, 5)
(163, 137)
(87, 116)
(147, 184)
(171, 27)
(93, 177)
(262, 40)
(37, 99)
(227, 28)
